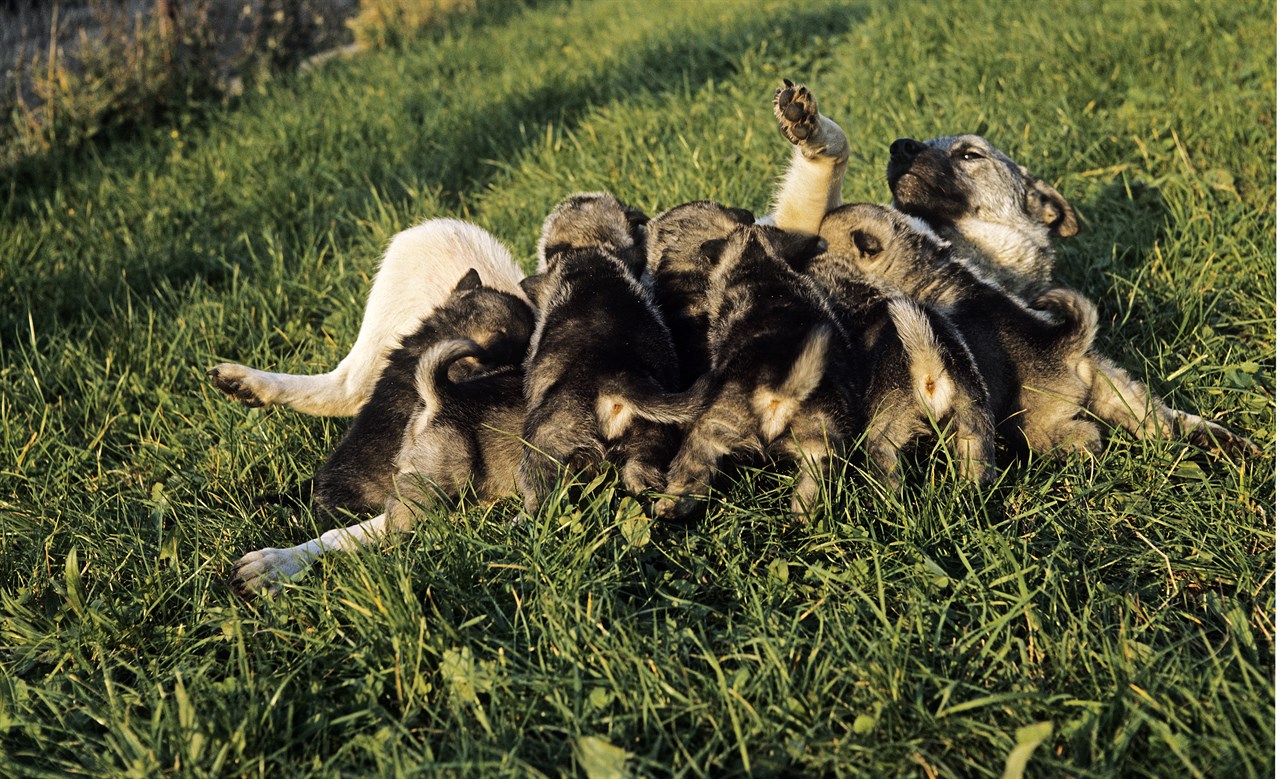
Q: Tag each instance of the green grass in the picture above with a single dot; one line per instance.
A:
(1129, 600)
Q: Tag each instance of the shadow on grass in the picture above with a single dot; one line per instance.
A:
(450, 159)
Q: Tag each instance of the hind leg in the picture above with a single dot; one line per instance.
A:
(893, 426)
(973, 441)
(419, 270)
(722, 429)
(268, 570)
(643, 454)
(554, 439)
(1122, 401)
(810, 442)
(1051, 425)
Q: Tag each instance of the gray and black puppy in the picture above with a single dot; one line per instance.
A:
(358, 475)
(444, 421)
(780, 381)
(465, 435)
(680, 271)
(601, 367)
(1000, 220)
(918, 375)
(1035, 361)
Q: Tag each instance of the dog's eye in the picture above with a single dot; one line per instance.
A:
(968, 155)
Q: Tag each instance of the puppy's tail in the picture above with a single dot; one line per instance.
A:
(776, 407)
(1079, 315)
(431, 378)
(809, 368)
(672, 408)
(934, 386)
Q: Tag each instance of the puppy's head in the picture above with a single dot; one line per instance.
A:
(883, 243)
(681, 240)
(498, 321)
(593, 220)
(962, 177)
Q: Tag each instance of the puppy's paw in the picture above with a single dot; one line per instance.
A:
(238, 382)
(678, 508)
(1213, 437)
(265, 571)
(797, 112)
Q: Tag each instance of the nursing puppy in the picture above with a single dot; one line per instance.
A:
(1001, 220)
(780, 381)
(358, 476)
(680, 271)
(417, 274)
(920, 375)
(601, 365)
(461, 438)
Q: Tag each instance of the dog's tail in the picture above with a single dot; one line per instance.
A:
(934, 386)
(1079, 317)
(616, 405)
(431, 378)
(809, 368)
(776, 407)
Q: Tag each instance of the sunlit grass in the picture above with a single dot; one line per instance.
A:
(1128, 600)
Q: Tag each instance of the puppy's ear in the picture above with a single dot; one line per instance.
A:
(636, 222)
(742, 216)
(712, 249)
(535, 288)
(1047, 206)
(867, 243)
(469, 281)
(797, 249)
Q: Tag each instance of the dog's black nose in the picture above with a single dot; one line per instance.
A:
(905, 148)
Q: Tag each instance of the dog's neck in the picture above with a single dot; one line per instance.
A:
(1018, 260)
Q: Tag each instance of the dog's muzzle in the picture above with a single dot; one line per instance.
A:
(902, 154)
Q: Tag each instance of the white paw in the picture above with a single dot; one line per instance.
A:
(240, 382)
(267, 570)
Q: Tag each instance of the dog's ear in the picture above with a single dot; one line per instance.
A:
(535, 288)
(1047, 206)
(712, 249)
(636, 222)
(742, 216)
(867, 243)
(471, 280)
(798, 249)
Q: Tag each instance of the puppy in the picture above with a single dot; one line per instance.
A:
(680, 272)
(779, 382)
(358, 476)
(601, 363)
(920, 376)
(417, 274)
(1000, 220)
(462, 438)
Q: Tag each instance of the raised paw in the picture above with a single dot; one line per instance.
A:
(234, 381)
(265, 571)
(797, 112)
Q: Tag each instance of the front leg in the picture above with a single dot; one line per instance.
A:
(811, 186)
(267, 570)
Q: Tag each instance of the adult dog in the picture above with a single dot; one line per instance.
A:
(1001, 221)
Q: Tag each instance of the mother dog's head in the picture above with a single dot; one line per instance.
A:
(963, 176)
